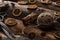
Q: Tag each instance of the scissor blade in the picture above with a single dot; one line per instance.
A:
(7, 34)
(7, 31)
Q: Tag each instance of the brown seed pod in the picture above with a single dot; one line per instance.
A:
(17, 26)
(32, 7)
(32, 1)
(28, 30)
(57, 14)
(51, 35)
(10, 21)
(45, 1)
(17, 12)
(31, 17)
(58, 3)
(22, 2)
